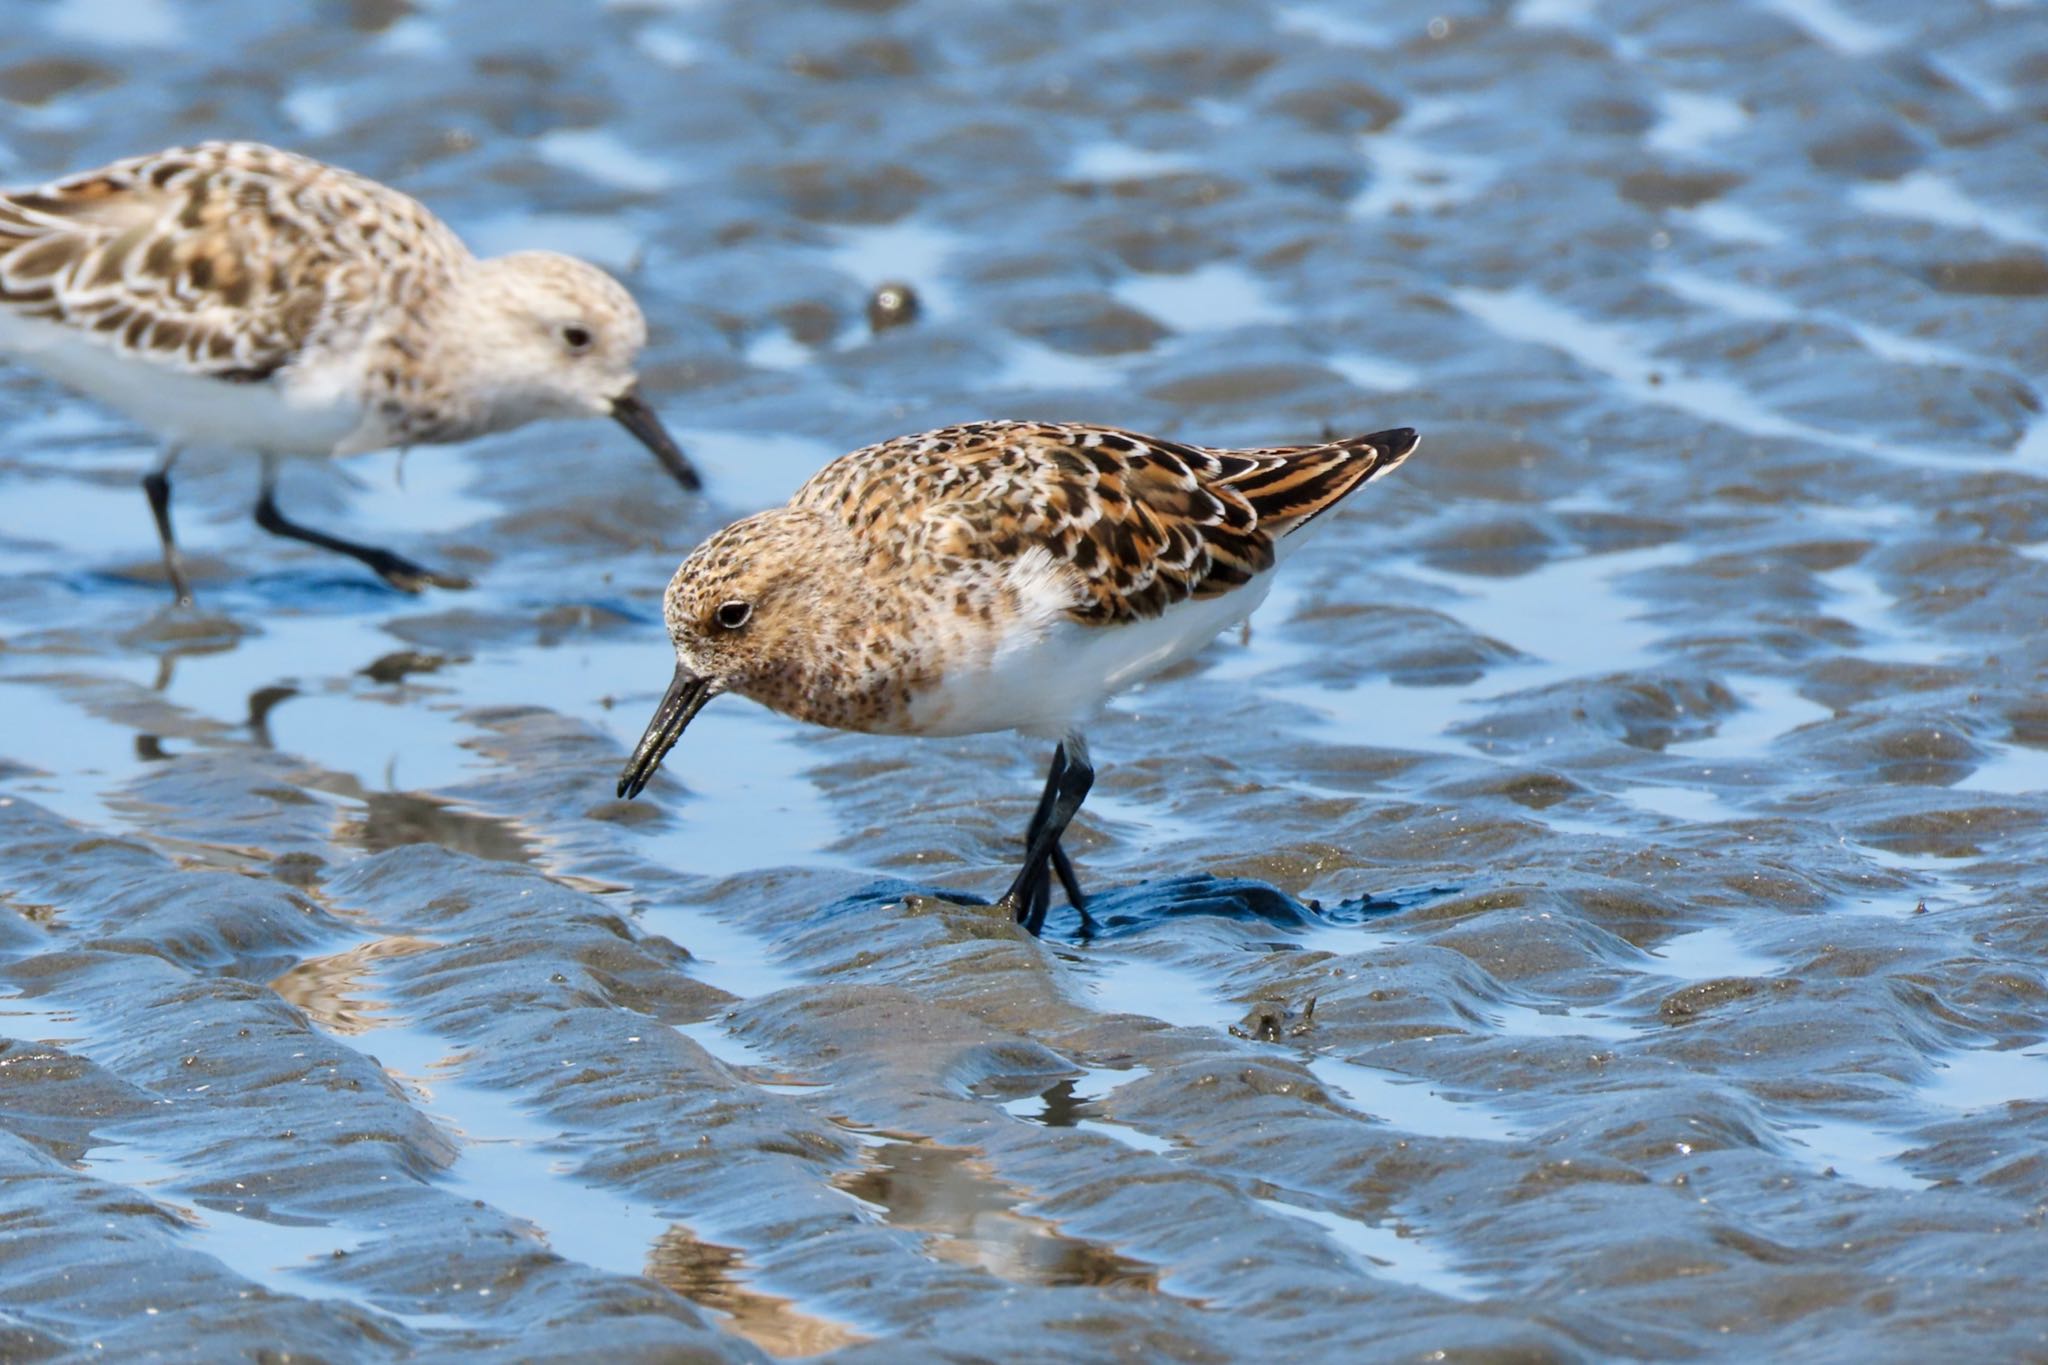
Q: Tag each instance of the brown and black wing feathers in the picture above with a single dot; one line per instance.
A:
(1141, 523)
(1288, 488)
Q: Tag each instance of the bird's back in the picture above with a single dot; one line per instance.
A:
(224, 260)
(1134, 523)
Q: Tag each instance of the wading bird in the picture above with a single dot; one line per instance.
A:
(993, 576)
(235, 294)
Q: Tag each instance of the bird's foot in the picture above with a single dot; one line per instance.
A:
(406, 576)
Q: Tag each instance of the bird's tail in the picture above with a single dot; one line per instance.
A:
(1288, 488)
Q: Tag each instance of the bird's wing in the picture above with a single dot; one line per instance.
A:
(1136, 523)
(219, 259)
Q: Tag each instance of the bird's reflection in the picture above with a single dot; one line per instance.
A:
(972, 1217)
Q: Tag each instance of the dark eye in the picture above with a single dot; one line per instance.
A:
(577, 339)
(733, 615)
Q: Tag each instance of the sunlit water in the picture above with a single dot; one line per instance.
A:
(1777, 437)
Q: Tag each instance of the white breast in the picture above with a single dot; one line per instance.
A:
(1048, 677)
(310, 414)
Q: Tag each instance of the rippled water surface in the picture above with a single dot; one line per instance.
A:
(1595, 912)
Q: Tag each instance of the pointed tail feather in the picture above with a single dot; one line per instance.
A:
(1289, 489)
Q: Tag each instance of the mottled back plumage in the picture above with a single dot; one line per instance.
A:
(1139, 522)
(223, 259)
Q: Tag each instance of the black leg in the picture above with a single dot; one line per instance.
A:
(157, 485)
(1068, 785)
(395, 569)
(1037, 901)
(1069, 883)
(1038, 895)
(1037, 898)
(1045, 797)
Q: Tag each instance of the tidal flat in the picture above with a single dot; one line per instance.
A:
(1596, 912)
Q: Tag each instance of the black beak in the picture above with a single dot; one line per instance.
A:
(685, 697)
(630, 410)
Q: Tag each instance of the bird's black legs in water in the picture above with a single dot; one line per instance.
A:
(1061, 863)
(157, 485)
(1066, 787)
(1040, 897)
(394, 569)
(1037, 898)
(1069, 883)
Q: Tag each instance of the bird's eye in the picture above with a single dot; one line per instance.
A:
(577, 339)
(733, 615)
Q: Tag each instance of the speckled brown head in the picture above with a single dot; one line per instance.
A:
(756, 609)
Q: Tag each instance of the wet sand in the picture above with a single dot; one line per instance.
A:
(1596, 913)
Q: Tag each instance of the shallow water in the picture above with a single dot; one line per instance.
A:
(1628, 814)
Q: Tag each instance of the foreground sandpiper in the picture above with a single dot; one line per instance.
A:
(235, 294)
(994, 576)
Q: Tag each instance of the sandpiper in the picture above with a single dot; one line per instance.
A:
(235, 294)
(992, 576)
